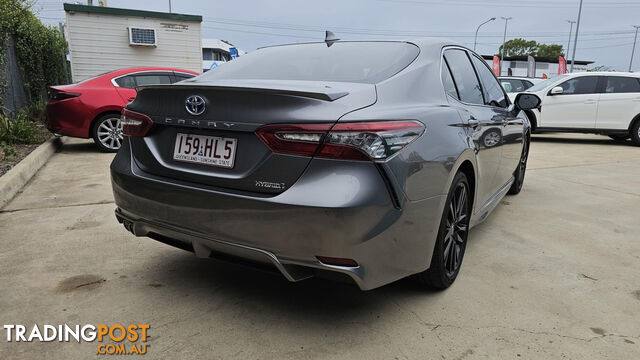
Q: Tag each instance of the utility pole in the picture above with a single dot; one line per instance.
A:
(169, 5)
(634, 46)
(570, 31)
(575, 40)
(504, 38)
(475, 41)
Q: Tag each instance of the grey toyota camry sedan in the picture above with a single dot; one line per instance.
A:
(369, 160)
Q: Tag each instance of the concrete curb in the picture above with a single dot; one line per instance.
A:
(15, 179)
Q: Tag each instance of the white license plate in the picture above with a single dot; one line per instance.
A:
(208, 150)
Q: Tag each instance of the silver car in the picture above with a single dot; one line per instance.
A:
(364, 159)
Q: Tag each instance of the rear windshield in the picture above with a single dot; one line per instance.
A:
(360, 62)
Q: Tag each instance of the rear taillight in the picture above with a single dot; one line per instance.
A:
(135, 124)
(347, 141)
(61, 95)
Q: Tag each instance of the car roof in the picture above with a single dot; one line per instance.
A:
(126, 71)
(422, 42)
(604, 73)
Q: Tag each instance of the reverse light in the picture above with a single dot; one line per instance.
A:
(364, 141)
(299, 139)
(135, 124)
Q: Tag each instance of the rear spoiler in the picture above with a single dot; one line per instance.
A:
(308, 89)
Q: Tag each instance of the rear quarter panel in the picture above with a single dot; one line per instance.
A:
(424, 168)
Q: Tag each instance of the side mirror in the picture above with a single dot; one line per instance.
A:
(525, 101)
(556, 91)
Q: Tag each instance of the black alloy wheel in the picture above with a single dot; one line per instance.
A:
(452, 237)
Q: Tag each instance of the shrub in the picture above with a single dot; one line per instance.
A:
(40, 50)
(20, 130)
(7, 152)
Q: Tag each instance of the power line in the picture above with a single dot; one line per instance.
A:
(391, 32)
(511, 4)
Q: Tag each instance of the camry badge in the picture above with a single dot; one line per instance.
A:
(195, 105)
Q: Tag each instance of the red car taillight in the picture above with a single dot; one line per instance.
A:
(364, 141)
(135, 124)
(55, 94)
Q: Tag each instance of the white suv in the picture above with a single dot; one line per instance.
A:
(605, 103)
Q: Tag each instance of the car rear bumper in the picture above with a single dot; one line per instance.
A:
(346, 212)
(67, 117)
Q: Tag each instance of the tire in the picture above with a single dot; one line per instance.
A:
(532, 120)
(107, 133)
(453, 231)
(635, 133)
(516, 187)
(618, 137)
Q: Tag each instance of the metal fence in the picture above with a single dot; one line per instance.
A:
(13, 97)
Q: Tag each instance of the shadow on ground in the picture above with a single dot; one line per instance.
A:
(319, 299)
(80, 147)
(603, 141)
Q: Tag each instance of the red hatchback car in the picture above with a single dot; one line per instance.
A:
(91, 108)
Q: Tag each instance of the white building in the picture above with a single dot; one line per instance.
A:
(216, 52)
(103, 39)
(544, 65)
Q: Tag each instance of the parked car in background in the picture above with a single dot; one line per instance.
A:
(370, 159)
(91, 108)
(513, 84)
(606, 103)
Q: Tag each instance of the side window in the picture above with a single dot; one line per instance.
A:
(447, 81)
(126, 82)
(580, 85)
(619, 84)
(464, 76)
(493, 92)
(152, 79)
(526, 84)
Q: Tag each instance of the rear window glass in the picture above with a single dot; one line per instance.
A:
(618, 84)
(126, 82)
(360, 62)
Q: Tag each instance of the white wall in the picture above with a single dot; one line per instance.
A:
(99, 43)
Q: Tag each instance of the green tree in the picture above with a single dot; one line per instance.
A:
(551, 50)
(522, 47)
(39, 49)
(519, 47)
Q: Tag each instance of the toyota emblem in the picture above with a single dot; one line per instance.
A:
(195, 105)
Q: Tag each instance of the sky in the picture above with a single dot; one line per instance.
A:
(606, 33)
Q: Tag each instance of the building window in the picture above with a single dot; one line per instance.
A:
(215, 55)
(207, 54)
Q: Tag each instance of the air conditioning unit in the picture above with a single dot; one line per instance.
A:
(142, 36)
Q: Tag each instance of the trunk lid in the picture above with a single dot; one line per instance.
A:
(235, 110)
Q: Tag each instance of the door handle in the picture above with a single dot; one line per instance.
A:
(590, 101)
(473, 122)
